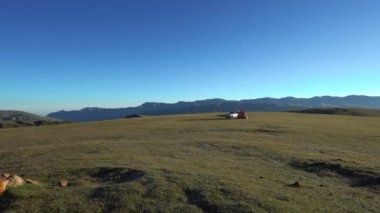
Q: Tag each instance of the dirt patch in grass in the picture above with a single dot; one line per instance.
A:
(358, 178)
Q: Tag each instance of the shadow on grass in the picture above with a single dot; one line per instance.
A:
(269, 131)
(220, 117)
(113, 174)
(207, 119)
(219, 201)
(358, 178)
(118, 175)
(110, 197)
(6, 200)
(197, 198)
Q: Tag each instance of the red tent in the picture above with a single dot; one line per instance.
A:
(242, 115)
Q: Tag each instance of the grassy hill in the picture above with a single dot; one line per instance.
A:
(195, 163)
(10, 118)
(342, 111)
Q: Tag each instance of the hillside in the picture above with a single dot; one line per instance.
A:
(10, 118)
(342, 111)
(273, 162)
(219, 105)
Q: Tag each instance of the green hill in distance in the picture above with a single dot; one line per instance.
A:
(12, 118)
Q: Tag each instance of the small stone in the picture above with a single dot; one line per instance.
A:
(295, 184)
(15, 180)
(63, 183)
(3, 184)
(6, 175)
(261, 177)
(33, 182)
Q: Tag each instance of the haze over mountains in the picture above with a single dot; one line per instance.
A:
(219, 105)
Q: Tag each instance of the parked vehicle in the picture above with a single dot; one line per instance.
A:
(232, 115)
(242, 115)
(237, 115)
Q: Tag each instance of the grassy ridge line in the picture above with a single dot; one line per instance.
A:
(13, 118)
(19, 115)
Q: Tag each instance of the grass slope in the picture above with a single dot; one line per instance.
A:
(342, 111)
(11, 118)
(195, 163)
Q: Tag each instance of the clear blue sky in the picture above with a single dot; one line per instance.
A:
(69, 54)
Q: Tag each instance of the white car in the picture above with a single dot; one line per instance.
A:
(232, 115)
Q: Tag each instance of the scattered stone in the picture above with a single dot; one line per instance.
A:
(33, 182)
(7, 180)
(3, 184)
(295, 184)
(63, 183)
(15, 180)
(5, 175)
(261, 177)
(322, 185)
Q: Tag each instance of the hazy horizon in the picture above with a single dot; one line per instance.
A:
(39, 111)
(66, 55)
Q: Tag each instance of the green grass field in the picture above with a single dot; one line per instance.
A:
(342, 111)
(195, 163)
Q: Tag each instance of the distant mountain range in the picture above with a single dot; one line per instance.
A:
(219, 105)
(11, 118)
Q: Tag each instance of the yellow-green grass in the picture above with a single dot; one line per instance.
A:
(342, 111)
(195, 163)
